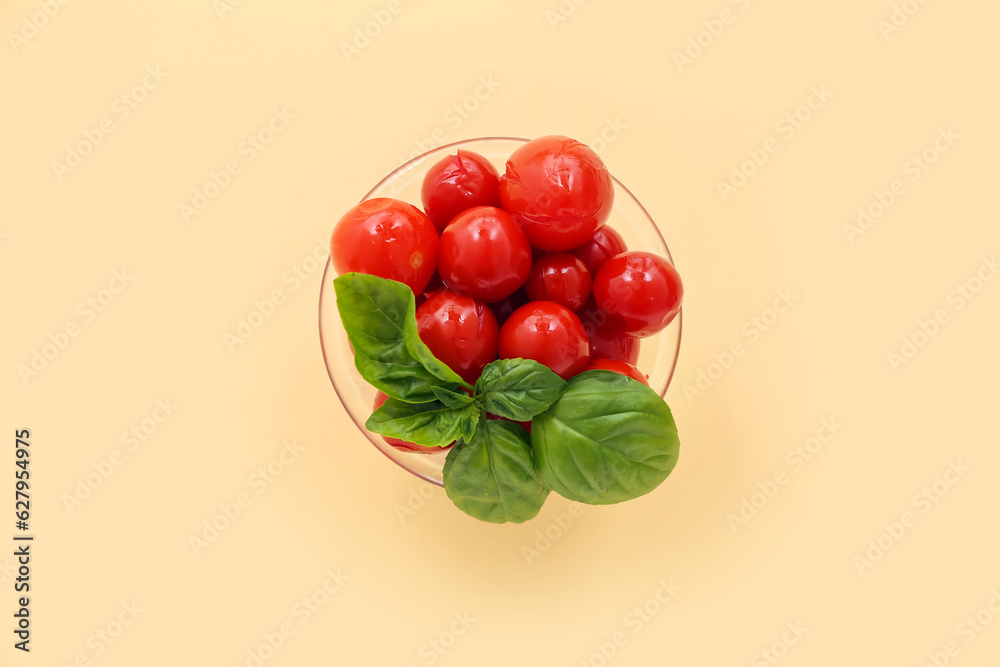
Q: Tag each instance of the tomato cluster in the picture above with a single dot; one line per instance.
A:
(516, 265)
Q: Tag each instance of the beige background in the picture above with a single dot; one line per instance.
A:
(675, 133)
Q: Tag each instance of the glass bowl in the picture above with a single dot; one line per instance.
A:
(657, 356)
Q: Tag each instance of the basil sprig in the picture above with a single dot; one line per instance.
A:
(601, 438)
(606, 440)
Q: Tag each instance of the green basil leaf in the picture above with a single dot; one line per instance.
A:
(453, 399)
(470, 419)
(492, 477)
(430, 424)
(607, 440)
(518, 389)
(379, 317)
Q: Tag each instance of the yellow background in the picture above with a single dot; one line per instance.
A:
(679, 129)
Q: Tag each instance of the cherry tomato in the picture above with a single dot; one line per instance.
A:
(602, 246)
(504, 309)
(609, 344)
(433, 285)
(484, 254)
(607, 340)
(459, 182)
(559, 190)
(548, 333)
(559, 277)
(403, 445)
(387, 238)
(618, 367)
(640, 292)
(461, 332)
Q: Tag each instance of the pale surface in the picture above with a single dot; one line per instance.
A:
(609, 65)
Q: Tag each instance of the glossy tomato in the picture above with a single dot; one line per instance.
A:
(548, 333)
(387, 238)
(504, 309)
(601, 247)
(607, 343)
(484, 254)
(460, 331)
(640, 292)
(559, 190)
(559, 277)
(403, 445)
(459, 182)
(617, 367)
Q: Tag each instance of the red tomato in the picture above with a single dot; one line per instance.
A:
(548, 333)
(618, 367)
(484, 254)
(460, 332)
(403, 445)
(640, 292)
(608, 344)
(602, 246)
(459, 182)
(559, 277)
(607, 340)
(504, 309)
(387, 238)
(434, 285)
(559, 190)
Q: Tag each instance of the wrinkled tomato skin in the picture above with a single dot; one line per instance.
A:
(457, 183)
(559, 190)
